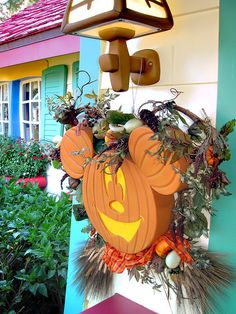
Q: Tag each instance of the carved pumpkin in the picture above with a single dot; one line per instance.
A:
(75, 148)
(123, 208)
(162, 177)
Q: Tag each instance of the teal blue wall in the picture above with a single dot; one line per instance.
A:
(223, 225)
(89, 53)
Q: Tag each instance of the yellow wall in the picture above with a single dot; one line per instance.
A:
(33, 69)
(67, 60)
(23, 70)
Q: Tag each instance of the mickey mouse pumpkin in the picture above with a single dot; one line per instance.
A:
(131, 208)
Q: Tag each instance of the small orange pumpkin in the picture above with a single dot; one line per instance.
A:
(123, 208)
(73, 143)
(162, 248)
(162, 177)
(212, 160)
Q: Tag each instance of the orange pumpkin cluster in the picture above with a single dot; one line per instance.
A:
(132, 208)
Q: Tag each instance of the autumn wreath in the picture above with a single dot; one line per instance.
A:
(146, 180)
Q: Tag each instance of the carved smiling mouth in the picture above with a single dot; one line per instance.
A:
(125, 230)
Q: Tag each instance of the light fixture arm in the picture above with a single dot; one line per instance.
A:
(144, 65)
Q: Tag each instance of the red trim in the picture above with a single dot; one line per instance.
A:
(39, 180)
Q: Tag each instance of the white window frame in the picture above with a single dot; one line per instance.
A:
(30, 101)
(3, 102)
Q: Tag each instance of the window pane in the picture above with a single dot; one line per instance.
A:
(26, 112)
(34, 90)
(0, 111)
(5, 129)
(25, 92)
(35, 111)
(26, 131)
(5, 112)
(1, 132)
(5, 92)
(35, 130)
(30, 108)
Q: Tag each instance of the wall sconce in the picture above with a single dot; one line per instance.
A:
(118, 21)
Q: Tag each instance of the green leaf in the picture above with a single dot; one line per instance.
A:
(90, 96)
(228, 128)
(33, 288)
(117, 117)
(16, 234)
(177, 155)
(56, 164)
(42, 289)
(51, 273)
(98, 145)
(196, 228)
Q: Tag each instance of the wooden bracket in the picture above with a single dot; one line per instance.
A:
(144, 65)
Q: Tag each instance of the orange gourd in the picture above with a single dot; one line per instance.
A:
(80, 143)
(212, 160)
(123, 208)
(162, 177)
(162, 248)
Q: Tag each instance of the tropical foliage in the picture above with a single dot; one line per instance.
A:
(34, 243)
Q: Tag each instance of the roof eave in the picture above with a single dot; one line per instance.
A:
(32, 39)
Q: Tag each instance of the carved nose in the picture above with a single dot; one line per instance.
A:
(117, 206)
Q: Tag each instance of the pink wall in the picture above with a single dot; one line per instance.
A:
(45, 49)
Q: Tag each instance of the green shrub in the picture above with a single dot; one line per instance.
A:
(34, 244)
(21, 159)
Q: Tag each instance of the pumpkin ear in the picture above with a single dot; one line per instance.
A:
(161, 176)
(75, 148)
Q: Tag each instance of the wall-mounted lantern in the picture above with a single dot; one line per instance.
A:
(118, 21)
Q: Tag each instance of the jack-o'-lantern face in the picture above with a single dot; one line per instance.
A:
(123, 207)
(130, 209)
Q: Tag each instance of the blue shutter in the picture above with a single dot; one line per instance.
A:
(75, 77)
(54, 82)
(14, 109)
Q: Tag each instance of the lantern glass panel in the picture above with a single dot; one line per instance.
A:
(82, 9)
(147, 7)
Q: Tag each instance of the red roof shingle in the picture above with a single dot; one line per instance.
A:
(37, 18)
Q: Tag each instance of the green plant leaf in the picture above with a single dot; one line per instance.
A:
(42, 289)
(33, 288)
(56, 164)
(228, 128)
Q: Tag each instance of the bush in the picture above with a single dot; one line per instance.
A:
(21, 159)
(34, 244)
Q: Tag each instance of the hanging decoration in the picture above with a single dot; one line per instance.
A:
(147, 182)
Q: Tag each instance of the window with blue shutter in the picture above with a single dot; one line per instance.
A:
(54, 82)
(14, 111)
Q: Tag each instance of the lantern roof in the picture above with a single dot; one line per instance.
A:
(89, 17)
(39, 17)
